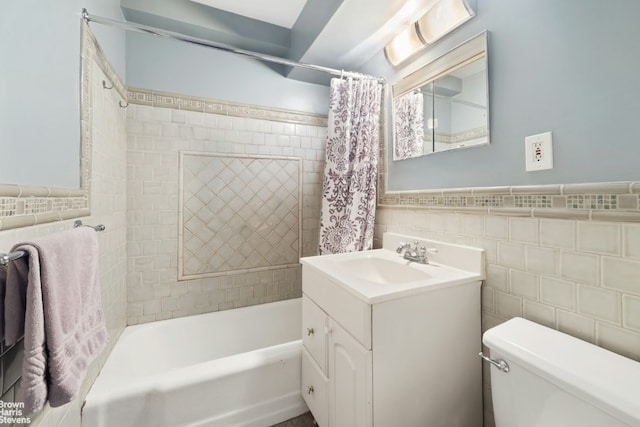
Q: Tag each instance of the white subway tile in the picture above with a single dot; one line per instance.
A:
(574, 324)
(524, 230)
(135, 157)
(178, 116)
(599, 237)
(497, 227)
(542, 260)
(289, 129)
(558, 233)
(305, 143)
(580, 267)
(631, 312)
(621, 274)
(540, 313)
(558, 292)
(599, 303)
(463, 240)
(151, 307)
(473, 225)
(161, 114)
(631, 239)
(523, 284)
(497, 277)
(277, 128)
(621, 341)
(488, 299)
(452, 223)
(508, 306)
(135, 128)
(225, 122)
(134, 309)
(511, 255)
(435, 221)
(194, 118)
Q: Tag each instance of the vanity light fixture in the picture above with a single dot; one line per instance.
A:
(443, 17)
(403, 45)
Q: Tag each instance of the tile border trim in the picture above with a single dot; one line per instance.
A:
(176, 101)
(607, 201)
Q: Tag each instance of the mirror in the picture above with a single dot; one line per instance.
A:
(445, 104)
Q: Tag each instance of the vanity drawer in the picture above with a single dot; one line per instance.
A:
(314, 388)
(314, 332)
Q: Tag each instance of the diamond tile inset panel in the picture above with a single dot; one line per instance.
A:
(238, 213)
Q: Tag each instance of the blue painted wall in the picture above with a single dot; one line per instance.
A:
(171, 66)
(40, 87)
(571, 67)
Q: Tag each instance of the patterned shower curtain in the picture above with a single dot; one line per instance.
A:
(409, 122)
(349, 184)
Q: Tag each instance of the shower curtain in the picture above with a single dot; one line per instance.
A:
(409, 122)
(349, 183)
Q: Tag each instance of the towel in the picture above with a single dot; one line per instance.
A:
(53, 298)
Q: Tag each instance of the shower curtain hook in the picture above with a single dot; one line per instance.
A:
(104, 85)
(123, 106)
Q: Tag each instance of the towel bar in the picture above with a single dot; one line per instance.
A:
(98, 227)
(5, 259)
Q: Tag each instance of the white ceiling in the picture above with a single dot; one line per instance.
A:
(340, 34)
(283, 13)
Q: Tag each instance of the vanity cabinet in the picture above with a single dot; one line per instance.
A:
(336, 371)
(407, 358)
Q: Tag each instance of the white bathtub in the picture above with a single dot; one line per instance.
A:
(238, 367)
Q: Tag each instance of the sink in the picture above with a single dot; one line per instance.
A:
(382, 274)
(382, 271)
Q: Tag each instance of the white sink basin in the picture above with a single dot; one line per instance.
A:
(379, 270)
(382, 274)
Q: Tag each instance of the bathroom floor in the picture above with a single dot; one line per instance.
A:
(304, 420)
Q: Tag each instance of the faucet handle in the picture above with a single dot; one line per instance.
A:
(400, 247)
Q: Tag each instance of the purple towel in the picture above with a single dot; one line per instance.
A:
(3, 281)
(53, 298)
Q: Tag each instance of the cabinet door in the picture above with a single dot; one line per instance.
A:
(350, 380)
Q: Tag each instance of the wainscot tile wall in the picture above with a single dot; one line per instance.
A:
(107, 176)
(578, 276)
(565, 256)
(160, 128)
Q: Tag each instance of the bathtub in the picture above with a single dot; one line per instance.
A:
(237, 367)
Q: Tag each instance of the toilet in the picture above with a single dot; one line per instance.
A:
(544, 378)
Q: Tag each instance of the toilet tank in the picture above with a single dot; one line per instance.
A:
(556, 380)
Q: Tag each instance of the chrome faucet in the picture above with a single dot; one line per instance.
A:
(414, 254)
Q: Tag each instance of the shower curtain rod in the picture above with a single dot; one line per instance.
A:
(219, 46)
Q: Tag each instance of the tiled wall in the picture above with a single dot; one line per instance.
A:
(237, 213)
(161, 126)
(578, 276)
(108, 207)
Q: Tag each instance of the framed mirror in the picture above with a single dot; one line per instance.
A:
(445, 104)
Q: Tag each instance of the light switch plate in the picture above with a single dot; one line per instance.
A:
(538, 152)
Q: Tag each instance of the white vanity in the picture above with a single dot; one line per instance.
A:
(389, 342)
